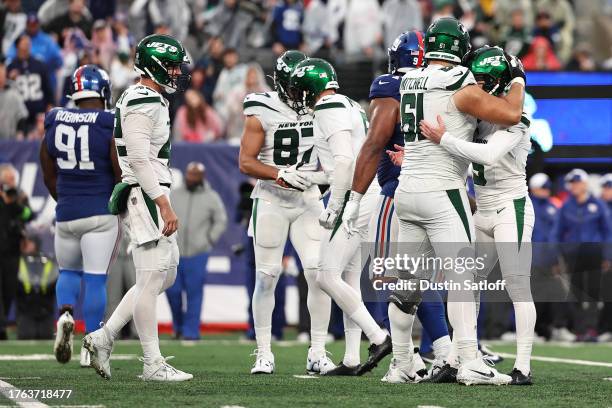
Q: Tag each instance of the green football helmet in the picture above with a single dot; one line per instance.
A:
(447, 39)
(282, 73)
(156, 55)
(308, 80)
(489, 65)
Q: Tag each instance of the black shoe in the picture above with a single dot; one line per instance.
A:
(518, 378)
(446, 375)
(343, 370)
(375, 354)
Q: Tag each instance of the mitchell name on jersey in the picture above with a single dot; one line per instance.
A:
(289, 139)
(139, 99)
(425, 94)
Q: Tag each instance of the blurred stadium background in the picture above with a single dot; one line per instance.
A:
(565, 45)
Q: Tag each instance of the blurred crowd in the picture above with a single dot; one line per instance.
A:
(230, 40)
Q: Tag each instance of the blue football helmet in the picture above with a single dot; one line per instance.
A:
(90, 81)
(407, 51)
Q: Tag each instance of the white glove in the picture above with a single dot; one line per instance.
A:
(293, 178)
(351, 213)
(330, 214)
(314, 177)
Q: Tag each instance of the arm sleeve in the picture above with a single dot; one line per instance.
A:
(499, 144)
(137, 129)
(344, 158)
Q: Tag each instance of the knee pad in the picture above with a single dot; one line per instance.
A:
(311, 275)
(407, 300)
(519, 288)
(265, 283)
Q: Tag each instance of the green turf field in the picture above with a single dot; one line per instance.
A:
(221, 369)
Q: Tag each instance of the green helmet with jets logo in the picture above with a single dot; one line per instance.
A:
(308, 80)
(282, 72)
(157, 55)
(489, 65)
(446, 39)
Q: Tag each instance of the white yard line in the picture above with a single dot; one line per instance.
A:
(562, 360)
(8, 390)
(49, 357)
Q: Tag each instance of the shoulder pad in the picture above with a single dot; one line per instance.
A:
(386, 86)
(331, 102)
(107, 118)
(139, 95)
(50, 116)
(257, 103)
(458, 77)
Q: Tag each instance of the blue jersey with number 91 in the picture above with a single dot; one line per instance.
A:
(79, 140)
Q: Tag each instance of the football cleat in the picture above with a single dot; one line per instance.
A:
(160, 370)
(100, 346)
(62, 348)
(478, 372)
(518, 378)
(376, 352)
(264, 363)
(85, 359)
(343, 370)
(489, 355)
(443, 374)
(412, 371)
(318, 364)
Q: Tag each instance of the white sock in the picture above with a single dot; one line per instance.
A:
(401, 333)
(148, 286)
(122, 314)
(453, 359)
(263, 305)
(525, 317)
(442, 348)
(352, 340)
(367, 323)
(462, 316)
(319, 307)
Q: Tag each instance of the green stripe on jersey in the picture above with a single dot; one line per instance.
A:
(456, 200)
(139, 101)
(250, 104)
(519, 213)
(339, 219)
(525, 121)
(151, 207)
(121, 151)
(164, 152)
(457, 85)
(329, 106)
(118, 133)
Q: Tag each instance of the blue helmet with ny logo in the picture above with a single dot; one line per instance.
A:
(407, 51)
(90, 81)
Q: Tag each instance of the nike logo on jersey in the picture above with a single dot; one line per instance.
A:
(498, 211)
(488, 375)
(382, 83)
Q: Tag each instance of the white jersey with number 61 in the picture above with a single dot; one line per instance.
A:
(425, 94)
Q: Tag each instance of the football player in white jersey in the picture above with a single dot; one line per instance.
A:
(277, 148)
(142, 137)
(504, 218)
(340, 127)
(431, 200)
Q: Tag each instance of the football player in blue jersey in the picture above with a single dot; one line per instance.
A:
(406, 53)
(79, 165)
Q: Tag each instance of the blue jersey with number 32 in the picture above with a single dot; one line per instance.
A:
(79, 140)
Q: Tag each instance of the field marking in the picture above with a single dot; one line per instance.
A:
(561, 360)
(20, 378)
(6, 389)
(302, 376)
(49, 357)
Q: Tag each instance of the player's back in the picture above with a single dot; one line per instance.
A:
(425, 94)
(387, 86)
(79, 140)
(505, 179)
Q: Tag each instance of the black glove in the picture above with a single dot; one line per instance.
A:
(516, 67)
